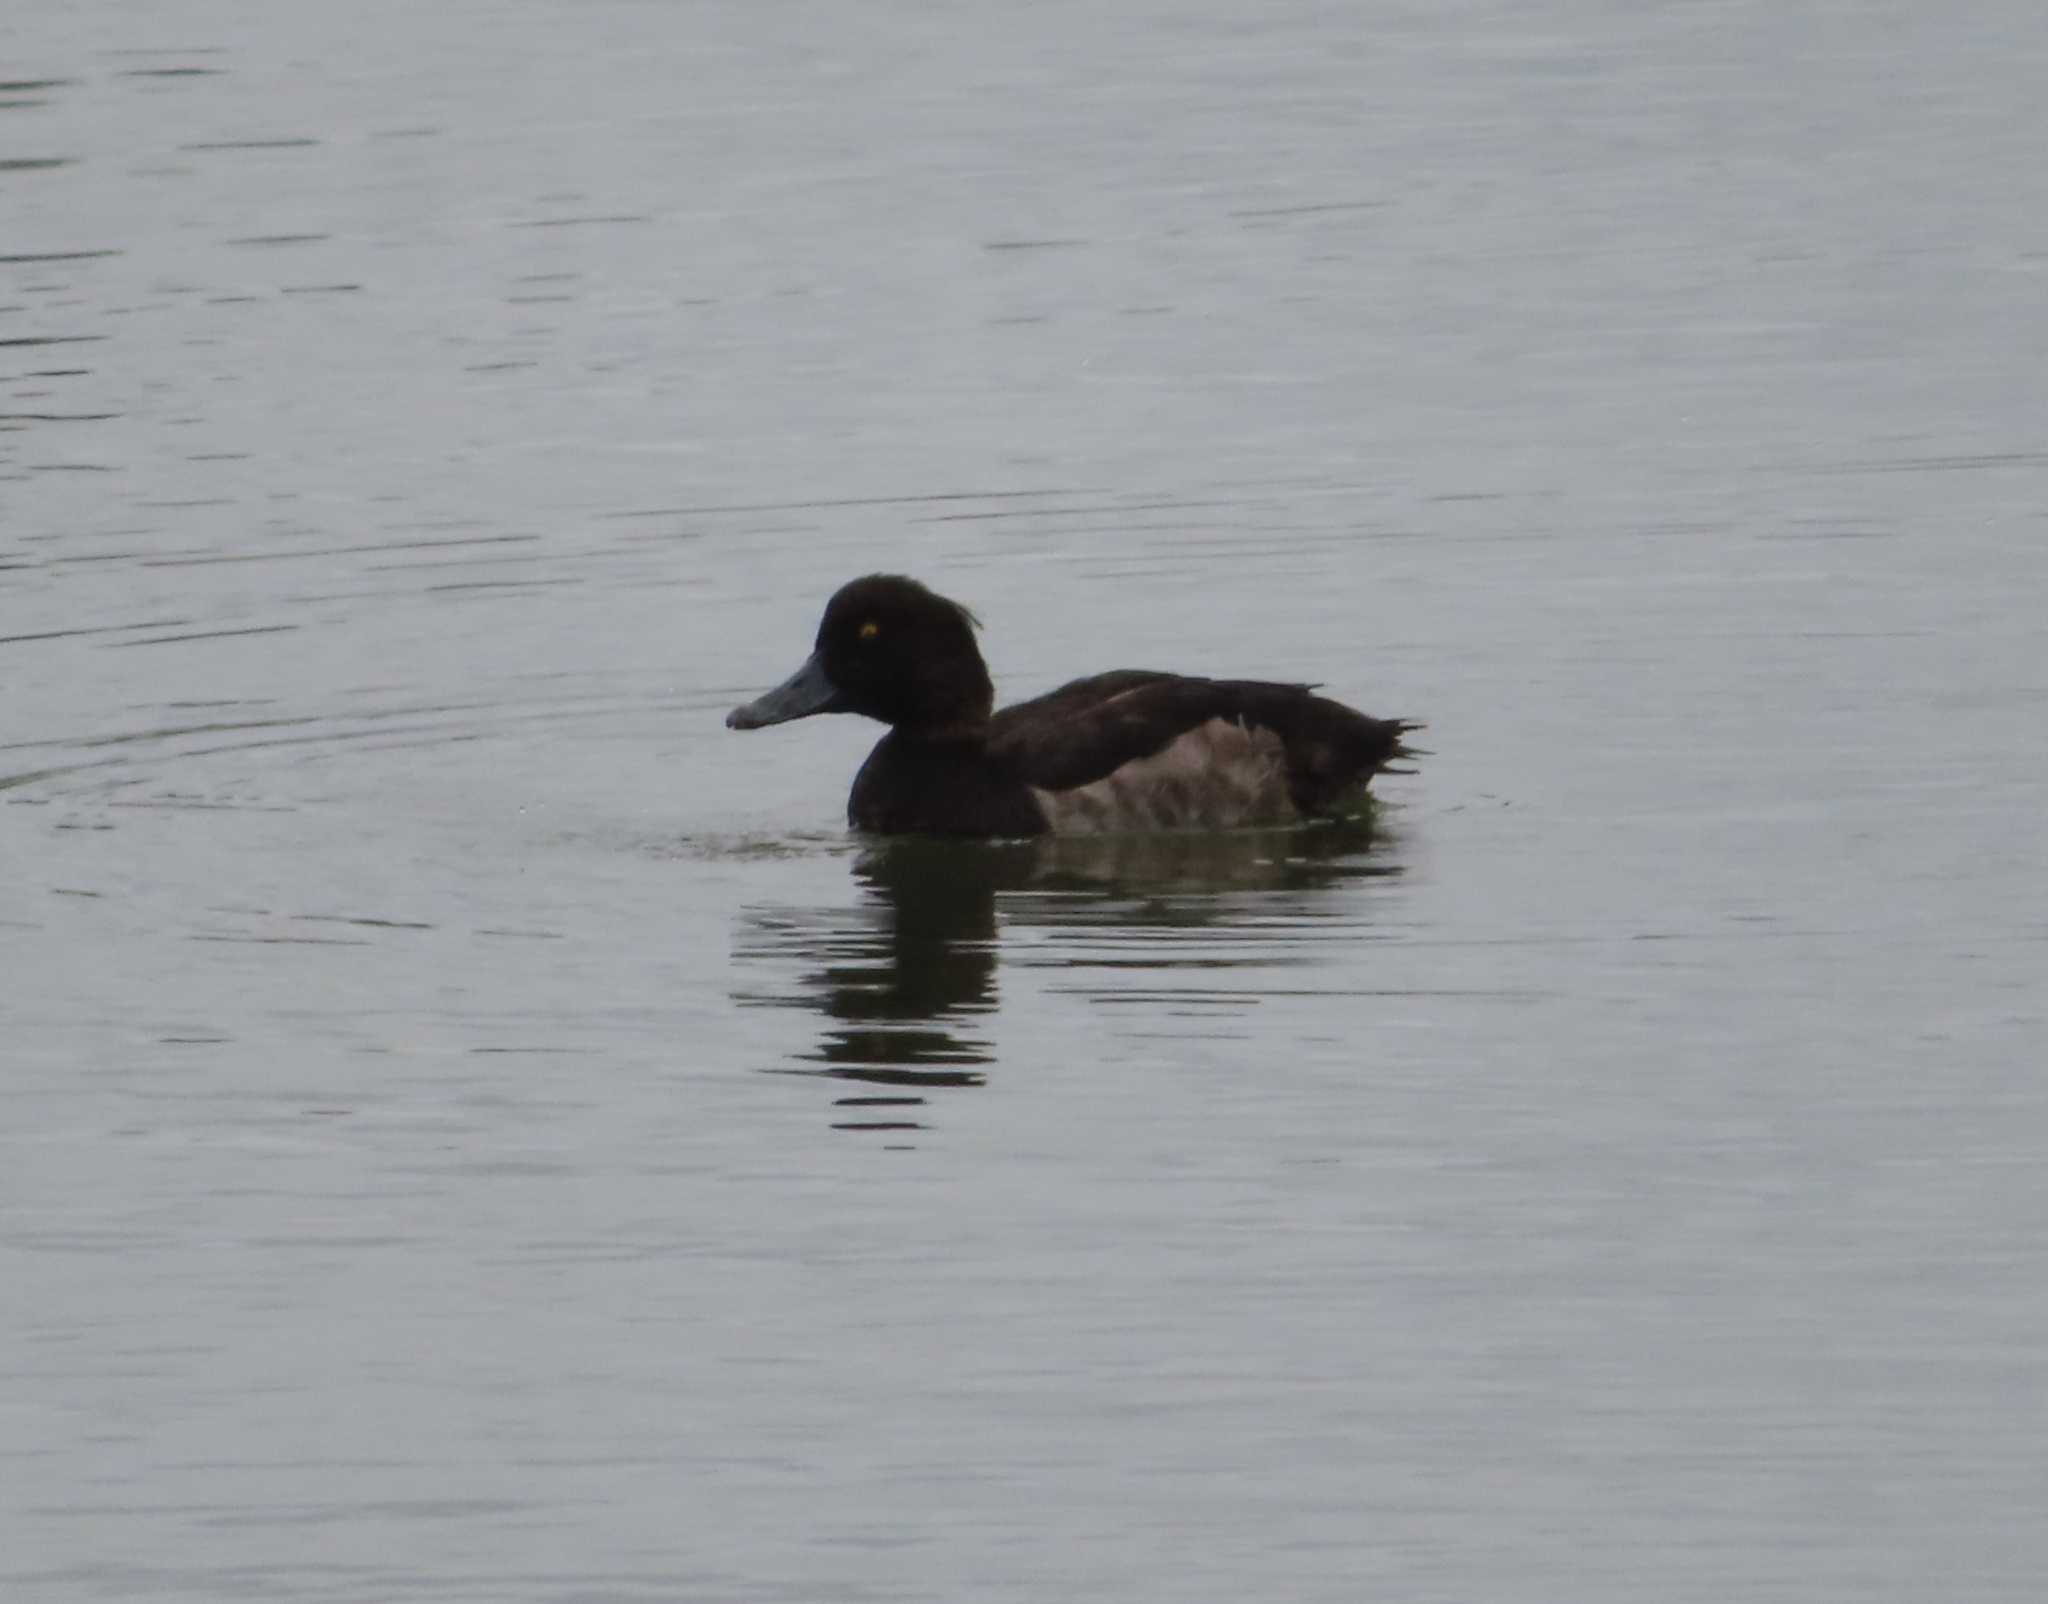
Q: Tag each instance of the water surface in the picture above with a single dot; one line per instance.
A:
(474, 1128)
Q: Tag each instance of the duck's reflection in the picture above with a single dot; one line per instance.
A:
(906, 974)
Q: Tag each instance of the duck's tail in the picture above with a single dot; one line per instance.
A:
(1333, 752)
(1401, 751)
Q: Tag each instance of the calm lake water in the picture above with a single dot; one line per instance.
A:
(473, 1128)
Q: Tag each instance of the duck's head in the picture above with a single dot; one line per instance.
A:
(890, 649)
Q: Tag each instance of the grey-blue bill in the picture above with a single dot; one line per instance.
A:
(805, 692)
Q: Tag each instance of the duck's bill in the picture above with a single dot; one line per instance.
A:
(805, 692)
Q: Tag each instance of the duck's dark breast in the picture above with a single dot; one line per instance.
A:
(915, 788)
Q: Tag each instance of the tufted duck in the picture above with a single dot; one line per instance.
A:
(1127, 750)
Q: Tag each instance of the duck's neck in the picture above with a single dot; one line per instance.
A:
(952, 708)
(956, 732)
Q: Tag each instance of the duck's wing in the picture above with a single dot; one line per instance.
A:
(1086, 730)
(1090, 727)
(1072, 703)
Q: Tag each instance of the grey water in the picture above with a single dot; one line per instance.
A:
(473, 1128)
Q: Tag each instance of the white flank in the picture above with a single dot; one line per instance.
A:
(1219, 776)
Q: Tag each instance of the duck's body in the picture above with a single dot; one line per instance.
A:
(1128, 750)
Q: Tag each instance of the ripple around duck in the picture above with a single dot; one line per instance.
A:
(154, 754)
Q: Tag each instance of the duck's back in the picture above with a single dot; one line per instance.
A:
(1141, 750)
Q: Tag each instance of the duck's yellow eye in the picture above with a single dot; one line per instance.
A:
(870, 630)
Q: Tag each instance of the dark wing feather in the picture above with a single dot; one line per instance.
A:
(1078, 696)
(1083, 731)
